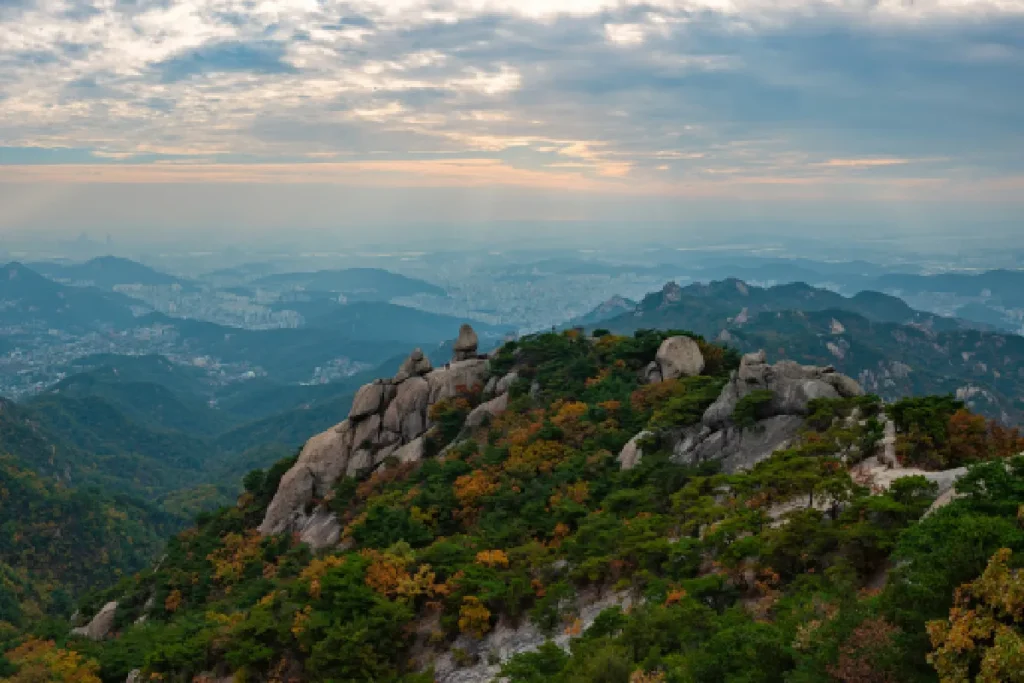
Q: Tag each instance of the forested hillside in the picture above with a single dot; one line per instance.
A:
(558, 525)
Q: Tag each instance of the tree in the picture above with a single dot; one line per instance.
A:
(983, 638)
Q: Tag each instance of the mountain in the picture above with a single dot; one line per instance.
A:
(29, 299)
(625, 509)
(1004, 287)
(357, 284)
(56, 543)
(613, 307)
(107, 272)
(710, 308)
(894, 350)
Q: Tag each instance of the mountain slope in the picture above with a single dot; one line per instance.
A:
(107, 272)
(357, 284)
(530, 534)
(894, 350)
(29, 299)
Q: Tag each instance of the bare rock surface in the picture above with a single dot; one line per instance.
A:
(718, 437)
(99, 626)
(466, 345)
(679, 357)
(630, 455)
(506, 640)
(388, 418)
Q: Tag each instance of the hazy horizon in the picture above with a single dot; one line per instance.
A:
(336, 118)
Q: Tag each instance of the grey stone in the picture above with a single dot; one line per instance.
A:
(737, 449)
(466, 345)
(323, 459)
(100, 625)
(506, 382)
(322, 530)
(368, 400)
(416, 365)
(484, 411)
(414, 451)
(631, 454)
(679, 357)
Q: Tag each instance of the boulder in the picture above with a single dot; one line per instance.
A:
(457, 377)
(679, 357)
(466, 345)
(414, 451)
(100, 625)
(792, 386)
(368, 400)
(485, 411)
(630, 455)
(737, 449)
(506, 382)
(416, 365)
(323, 459)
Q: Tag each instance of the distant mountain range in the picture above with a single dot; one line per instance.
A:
(891, 348)
(107, 272)
(28, 298)
(356, 284)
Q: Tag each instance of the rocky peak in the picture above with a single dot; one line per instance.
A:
(389, 418)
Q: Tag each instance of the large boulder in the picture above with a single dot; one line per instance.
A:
(368, 400)
(323, 459)
(679, 357)
(737, 448)
(456, 378)
(485, 411)
(100, 625)
(467, 343)
(416, 365)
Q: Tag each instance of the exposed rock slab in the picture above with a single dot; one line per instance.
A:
(100, 625)
(737, 449)
(486, 411)
(631, 454)
(388, 418)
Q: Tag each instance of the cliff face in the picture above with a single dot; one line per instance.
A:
(389, 420)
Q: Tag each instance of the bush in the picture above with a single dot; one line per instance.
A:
(752, 408)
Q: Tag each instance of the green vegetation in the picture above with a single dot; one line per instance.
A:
(764, 575)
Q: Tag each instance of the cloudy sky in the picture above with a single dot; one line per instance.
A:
(151, 114)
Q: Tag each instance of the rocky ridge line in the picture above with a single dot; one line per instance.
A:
(389, 419)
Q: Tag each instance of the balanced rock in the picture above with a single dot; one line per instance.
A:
(100, 625)
(416, 365)
(467, 343)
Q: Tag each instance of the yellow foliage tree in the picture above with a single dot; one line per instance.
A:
(983, 639)
(41, 660)
(474, 617)
(492, 558)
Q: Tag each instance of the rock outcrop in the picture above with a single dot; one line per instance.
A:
(677, 357)
(100, 625)
(466, 345)
(630, 455)
(792, 386)
(717, 436)
(388, 419)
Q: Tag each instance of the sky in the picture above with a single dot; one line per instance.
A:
(253, 117)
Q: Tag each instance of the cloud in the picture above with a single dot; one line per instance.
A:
(668, 96)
